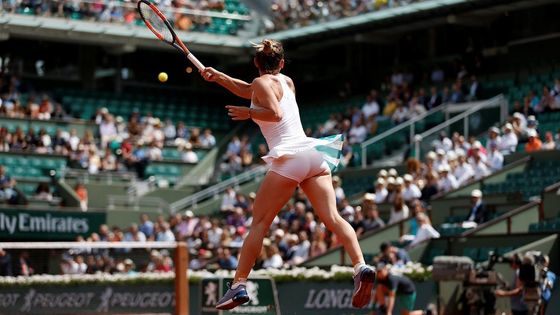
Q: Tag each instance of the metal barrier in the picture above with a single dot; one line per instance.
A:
(194, 199)
(468, 110)
(410, 124)
(465, 110)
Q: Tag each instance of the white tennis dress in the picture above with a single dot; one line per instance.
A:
(292, 154)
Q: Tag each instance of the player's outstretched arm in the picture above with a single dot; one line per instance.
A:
(235, 86)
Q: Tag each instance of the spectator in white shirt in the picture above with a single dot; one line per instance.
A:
(508, 142)
(107, 130)
(443, 142)
(400, 115)
(410, 191)
(447, 181)
(169, 130)
(189, 156)
(495, 159)
(441, 159)
(415, 108)
(399, 211)
(272, 254)
(464, 171)
(154, 152)
(228, 200)
(134, 234)
(425, 230)
(165, 235)
(493, 138)
(380, 191)
(371, 107)
(479, 167)
(207, 139)
(358, 132)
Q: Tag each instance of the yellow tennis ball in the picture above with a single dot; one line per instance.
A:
(162, 77)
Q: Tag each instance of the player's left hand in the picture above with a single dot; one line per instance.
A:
(238, 112)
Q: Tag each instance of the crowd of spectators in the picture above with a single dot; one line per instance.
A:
(293, 14)
(122, 12)
(115, 144)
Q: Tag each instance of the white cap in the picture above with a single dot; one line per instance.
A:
(518, 115)
(431, 155)
(531, 133)
(440, 152)
(495, 130)
(476, 193)
(382, 173)
(508, 126)
(531, 117)
(369, 196)
(380, 181)
(279, 233)
(451, 156)
(189, 213)
(407, 178)
(461, 153)
(393, 172)
(443, 168)
(399, 181)
(391, 181)
(477, 145)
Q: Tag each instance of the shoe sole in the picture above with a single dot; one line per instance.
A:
(362, 296)
(233, 302)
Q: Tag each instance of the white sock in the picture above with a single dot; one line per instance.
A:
(238, 283)
(357, 267)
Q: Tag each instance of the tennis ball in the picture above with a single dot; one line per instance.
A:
(162, 77)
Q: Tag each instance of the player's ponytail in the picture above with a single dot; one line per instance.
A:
(268, 56)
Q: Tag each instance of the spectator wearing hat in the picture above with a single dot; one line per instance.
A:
(534, 143)
(519, 124)
(443, 142)
(495, 159)
(508, 142)
(478, 213)
(479, 167)
(493, 137)
(463, 171)
(380, 191)
(410, 191)
(447, 181)
(441, 159)
(346, 210)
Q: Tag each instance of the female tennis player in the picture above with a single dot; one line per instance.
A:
(293, 160)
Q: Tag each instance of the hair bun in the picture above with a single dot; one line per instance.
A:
(267, 45)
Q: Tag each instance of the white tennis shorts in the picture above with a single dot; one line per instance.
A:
(300, 166)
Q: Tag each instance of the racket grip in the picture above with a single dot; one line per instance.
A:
(195, 61)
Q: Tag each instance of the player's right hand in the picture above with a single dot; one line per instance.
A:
(210, 74)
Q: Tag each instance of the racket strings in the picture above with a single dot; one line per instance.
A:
(158, 25)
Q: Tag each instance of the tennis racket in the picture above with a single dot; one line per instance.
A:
(160, 26)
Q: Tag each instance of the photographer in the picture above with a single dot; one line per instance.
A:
(518, 306)
(547, 285)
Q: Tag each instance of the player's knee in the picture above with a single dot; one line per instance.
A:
(330, 221)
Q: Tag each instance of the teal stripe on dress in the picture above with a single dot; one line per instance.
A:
(331, 148)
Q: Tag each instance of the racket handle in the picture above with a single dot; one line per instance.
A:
(195, 62)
